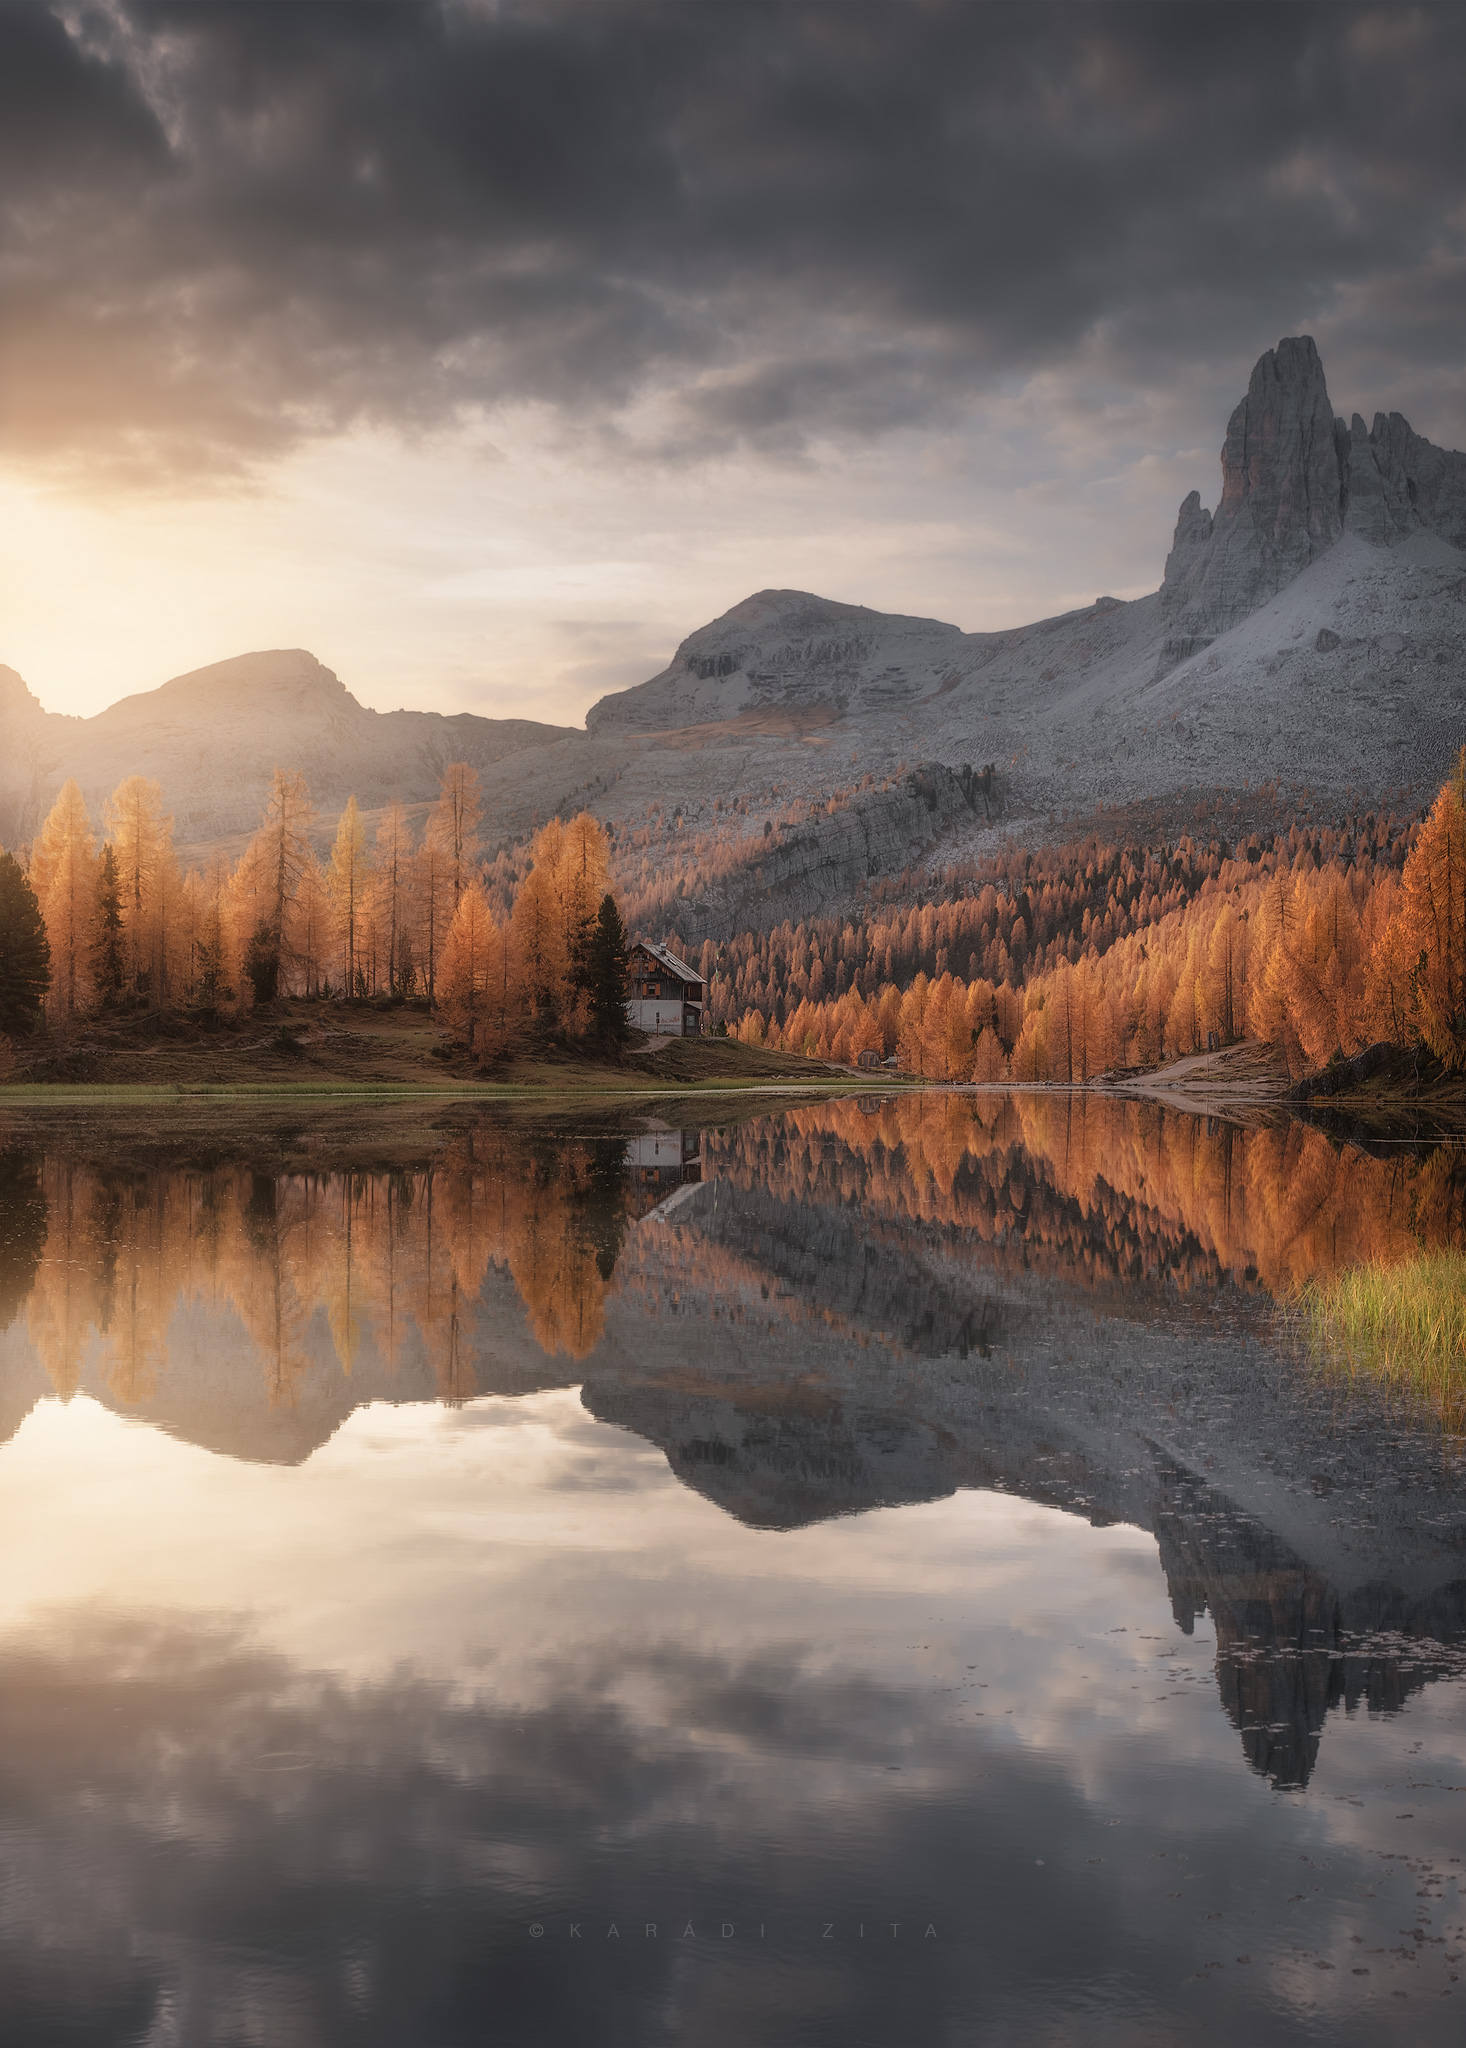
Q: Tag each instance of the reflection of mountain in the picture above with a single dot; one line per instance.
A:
(1292, 1641)
(1062, 1278)
(1289, 1644)
(813, 1314)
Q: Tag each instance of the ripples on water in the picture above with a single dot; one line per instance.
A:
(865, 1572)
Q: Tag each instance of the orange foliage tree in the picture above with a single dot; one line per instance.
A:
(63, 873)
(1321, 958)
(1433, 917)
(472, 963)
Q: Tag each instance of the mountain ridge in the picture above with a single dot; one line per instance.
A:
(214, 736)
(1310, 632)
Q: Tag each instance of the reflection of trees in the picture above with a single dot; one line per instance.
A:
(105, 1258)
(1107, 1191)
(276, 1212)
(564, 1241)
(23, 1222)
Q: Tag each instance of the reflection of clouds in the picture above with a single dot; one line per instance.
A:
(479, 1691)
(479, 1540)
(198, 1823)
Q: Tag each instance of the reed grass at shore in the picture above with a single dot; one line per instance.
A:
(1402, 1326)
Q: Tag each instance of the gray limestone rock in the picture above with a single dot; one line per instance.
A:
(1372, 510)
(1294, 479)
(1399, 483)
(1280, 503)
(1193, 532)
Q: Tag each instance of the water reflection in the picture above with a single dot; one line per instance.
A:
(321, 1688)
(814, 1313)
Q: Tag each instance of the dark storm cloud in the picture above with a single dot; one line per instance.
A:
(228, 223)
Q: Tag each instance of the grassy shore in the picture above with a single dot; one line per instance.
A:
(307, 1050)
(1402, 1327)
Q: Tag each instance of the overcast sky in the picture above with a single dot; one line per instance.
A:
(487, 349)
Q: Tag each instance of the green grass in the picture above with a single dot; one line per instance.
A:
(1403, 1327)
(39, 1095)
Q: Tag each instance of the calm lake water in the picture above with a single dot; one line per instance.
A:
(858, 1573)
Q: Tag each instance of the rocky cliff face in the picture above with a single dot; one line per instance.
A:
(1294, 478)
(813, 868)
(1394, 483)
(1280, 504)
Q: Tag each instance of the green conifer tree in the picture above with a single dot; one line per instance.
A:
(607, 959)
(262, 961)
(25, 951)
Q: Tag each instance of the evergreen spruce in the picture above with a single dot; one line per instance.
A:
(25, 951)
(109, 963)
(262, 961)
(607, 956)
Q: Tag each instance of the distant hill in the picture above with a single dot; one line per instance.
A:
(214, 737)
(783, 660)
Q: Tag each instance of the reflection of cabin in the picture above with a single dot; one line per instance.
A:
(657, 1163)
(663, 993)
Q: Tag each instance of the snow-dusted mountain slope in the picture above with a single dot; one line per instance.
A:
(783, 660)
(1313, 628)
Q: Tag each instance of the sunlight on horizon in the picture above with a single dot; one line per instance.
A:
(436, 576)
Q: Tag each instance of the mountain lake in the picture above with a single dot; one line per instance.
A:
(797, 1571)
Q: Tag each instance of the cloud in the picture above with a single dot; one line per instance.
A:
(227, 227)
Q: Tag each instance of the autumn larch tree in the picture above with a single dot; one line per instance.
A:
(109, 959)
(432, 901)
(63, 874)
(457, 821)
(213, 963)
(466, 974)
(1434, 916)
(142, 839)
(393, 881)
(348, 881)
(25, 951)
(275, 863)
(581, 874)
(539, 928)
(313, 925)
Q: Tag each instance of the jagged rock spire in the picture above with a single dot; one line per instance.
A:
(1280, 505)
(1293, 479)
(1395, 482)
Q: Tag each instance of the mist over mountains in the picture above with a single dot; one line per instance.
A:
(213, 738)
(1310, 630)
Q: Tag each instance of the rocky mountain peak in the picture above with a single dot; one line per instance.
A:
(16, 701)
(1294, 478)
(1280, 506)
(278, 681)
